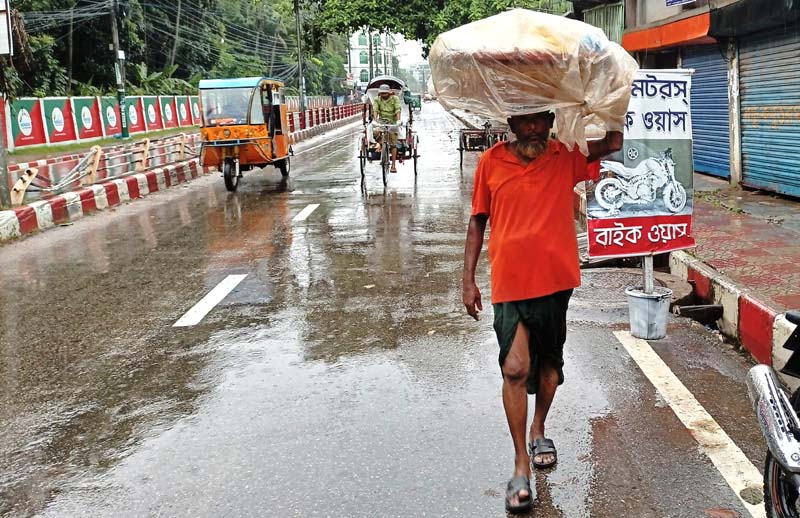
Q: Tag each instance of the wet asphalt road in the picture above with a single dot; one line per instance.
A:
(341, 378)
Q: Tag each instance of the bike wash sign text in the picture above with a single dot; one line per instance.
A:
(642, 203)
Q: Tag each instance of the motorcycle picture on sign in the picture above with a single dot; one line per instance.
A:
(653, 184)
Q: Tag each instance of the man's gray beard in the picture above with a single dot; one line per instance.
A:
(531, 149)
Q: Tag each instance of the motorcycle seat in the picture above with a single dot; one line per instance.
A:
(793, 317)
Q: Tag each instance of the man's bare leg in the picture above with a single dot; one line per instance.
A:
(394, 158)
(545, 393)
(515, 400)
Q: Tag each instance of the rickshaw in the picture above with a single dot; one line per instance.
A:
(245, 125)
(470, 139)
(407, 139)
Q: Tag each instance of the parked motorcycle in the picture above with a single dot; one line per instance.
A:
(640, 185)
(777, 417)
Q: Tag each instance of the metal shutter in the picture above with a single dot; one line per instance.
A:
(710, 123)
(769, 65)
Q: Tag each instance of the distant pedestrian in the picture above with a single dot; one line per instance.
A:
(524, 190)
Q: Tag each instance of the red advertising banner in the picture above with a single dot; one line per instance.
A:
(136, 120)
(87, 117)
(109, 108)
(184, 111)
(60, 122)
(27, 126)
(169, 111)
(152, 113)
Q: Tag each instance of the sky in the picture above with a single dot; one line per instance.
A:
(409, 52)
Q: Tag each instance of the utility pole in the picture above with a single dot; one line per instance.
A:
(386, 64)
(177, 31)
(69, 46)
(301, 80)
(119, 70)
(369, 41)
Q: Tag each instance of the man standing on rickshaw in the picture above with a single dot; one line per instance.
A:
(386, 109)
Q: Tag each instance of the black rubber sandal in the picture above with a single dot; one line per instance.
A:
(542, 446)
(515, 485)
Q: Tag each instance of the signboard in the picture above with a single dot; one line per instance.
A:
(136, 120)
(195, 109)
(673, 3)
(59, 120)
(87, 117)
(184, 111)
(169, 111)
(27, 126)
(6, 40)
(642, 204)
(109, 109)
(152, 113)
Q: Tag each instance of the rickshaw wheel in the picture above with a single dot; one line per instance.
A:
(284, 166)
(362, 157)
(229, 174)
(385, 163)
(461, 151)
(416, 155)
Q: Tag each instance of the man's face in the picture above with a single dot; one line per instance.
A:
(533, 127)
(385, 95)
(532, 133)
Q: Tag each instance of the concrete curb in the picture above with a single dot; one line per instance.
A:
(70, 206)
(760, 329)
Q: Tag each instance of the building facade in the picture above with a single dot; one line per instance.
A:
(746, 84)
(360, 67)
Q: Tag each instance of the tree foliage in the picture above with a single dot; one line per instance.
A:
(419, 19)
(169, 44)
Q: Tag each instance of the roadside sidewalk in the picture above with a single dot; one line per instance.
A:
(67, 207)
(747, 259)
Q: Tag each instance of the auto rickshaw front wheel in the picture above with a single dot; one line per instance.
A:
(230, 174)
(284, 166)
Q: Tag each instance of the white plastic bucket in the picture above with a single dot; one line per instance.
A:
(648, 311)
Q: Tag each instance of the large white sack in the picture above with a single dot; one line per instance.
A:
(522, 61)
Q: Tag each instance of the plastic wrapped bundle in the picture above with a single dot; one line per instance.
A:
(520, 62)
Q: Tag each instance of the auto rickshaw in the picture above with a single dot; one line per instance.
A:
(245, 125)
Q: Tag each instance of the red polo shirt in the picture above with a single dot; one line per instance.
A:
(532, 246)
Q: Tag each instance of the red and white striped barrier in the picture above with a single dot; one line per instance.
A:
(67, 207)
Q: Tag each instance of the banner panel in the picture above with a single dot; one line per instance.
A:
(59, 119)
(27, 126)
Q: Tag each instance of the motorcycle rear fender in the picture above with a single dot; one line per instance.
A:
(775, 415)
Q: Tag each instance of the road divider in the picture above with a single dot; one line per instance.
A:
(199, 311)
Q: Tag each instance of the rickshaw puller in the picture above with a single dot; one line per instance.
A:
(386, 109)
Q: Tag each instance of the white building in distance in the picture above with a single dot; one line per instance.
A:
(358, 62)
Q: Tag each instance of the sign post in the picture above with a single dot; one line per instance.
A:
(6, 49)
(642, 204)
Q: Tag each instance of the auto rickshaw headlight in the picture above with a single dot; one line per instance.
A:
(226, 133)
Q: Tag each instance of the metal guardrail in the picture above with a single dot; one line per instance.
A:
(101, 165)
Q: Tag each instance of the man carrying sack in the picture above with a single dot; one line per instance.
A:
(532, 70)
(524, 189)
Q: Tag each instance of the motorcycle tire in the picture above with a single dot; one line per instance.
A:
(674, 196)
(780, 497)
(613, 203)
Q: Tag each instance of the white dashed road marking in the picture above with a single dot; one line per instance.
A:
(305, 213)
(734, 466)
(207, 303)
